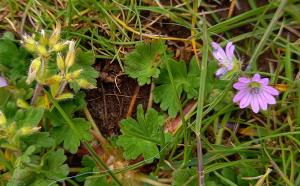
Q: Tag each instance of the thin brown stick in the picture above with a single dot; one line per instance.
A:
(96, 131)
(132, 102)
(150, 100)
(37, 91)
(231, 9)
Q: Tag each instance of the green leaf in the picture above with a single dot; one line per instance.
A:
(71, 139)
(141, 136)
(229, 173)
(53, 168)
(54, 165)
(84, 61)
(39, 139)
(186, 176)
(20, 177)
(88, 165)
(13, 60)
(26, 155)
(69, 106)
(246, 171)
(144, 61)
(185, 80)
(32, 117)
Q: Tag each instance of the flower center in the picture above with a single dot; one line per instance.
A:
(254, 87)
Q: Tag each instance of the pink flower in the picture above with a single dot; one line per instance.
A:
(254, 92)
(3, 82)
(225, 58)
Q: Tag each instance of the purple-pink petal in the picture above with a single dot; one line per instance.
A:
(256, 77)
(218, 52)
(230, 51)
(244, 80)
(271, 90)
(239, 96)
(245, 101)
(240, 86)
(268, 98)
(3, 82)
(221, 71)
(264, 81)
(262, 103)
(255, 104)
(229, 66)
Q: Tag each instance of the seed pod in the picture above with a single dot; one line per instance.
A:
(70, 58)
(42, 50)
(83, 83)
(2, 119)
(22, 104)
(60, 62)
(28, 130)
(29, 43)
(34, 68)
(73, 75)
(54, 38)
(59, 47)
(43, 38)
(54, 79)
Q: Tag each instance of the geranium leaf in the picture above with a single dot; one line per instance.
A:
(140, 137)
(71, 140)
(144, 61)
(185, 80)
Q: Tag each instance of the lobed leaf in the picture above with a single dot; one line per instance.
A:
(144, 61)
(140, 137)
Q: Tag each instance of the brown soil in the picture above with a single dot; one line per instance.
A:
(109, 103)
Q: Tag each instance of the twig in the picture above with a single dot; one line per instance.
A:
(37, 91)
(97, 132)
(150, 100)
(231, 9)
(132, 102)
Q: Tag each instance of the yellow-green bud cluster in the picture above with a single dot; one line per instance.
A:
(45, 47)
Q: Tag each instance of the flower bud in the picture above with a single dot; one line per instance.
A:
(65, 96)
(28, 130)
(54, 79)
(29, 43)
(42, 50)
(2, 118)
(43, 38)
(22, 104)
(83, 83)
(55, 35)
(59, 47)
(73, 75)
(60, 62)
(34, 68)
(70, 58)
